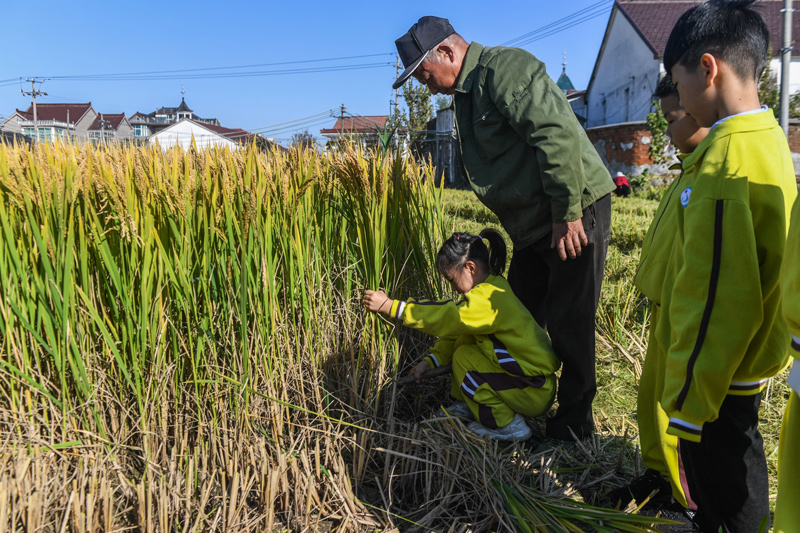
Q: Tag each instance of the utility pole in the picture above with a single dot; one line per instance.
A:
(34, 93)
(396, 91)
(341, 123)
(786, 61)
(103, 124)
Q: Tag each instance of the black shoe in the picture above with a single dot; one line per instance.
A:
(642, 487)
(556, 429)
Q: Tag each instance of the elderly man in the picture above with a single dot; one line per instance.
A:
(529, 161)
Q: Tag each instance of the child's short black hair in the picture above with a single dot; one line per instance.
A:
(728, 29)
(665, 87)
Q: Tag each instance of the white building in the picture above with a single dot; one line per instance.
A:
(146, 124)
(630, 60)
(182, 132)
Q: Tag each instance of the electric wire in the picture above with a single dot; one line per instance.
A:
(306, 70)
(177, 71)
(593, 11)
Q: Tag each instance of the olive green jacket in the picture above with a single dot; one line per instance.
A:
(526, 156)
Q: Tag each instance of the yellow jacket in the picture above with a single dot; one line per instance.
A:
(490, 316)
(715, 272)
(790, 281)
(659, 239)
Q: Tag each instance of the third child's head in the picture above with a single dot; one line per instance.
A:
(465, 260)
(715, 56)
(682, 128)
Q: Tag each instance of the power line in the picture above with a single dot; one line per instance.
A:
(228, 75)
(595, 10)
(209, 72)
(177, 71)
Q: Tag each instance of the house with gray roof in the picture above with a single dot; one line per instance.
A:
(54, 121)
(110, 127)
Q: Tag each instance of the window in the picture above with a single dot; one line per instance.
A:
(45, 134)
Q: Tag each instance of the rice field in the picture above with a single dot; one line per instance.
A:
(183, 349)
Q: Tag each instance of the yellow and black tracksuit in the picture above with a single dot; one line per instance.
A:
(715, 286)
(502, 360)
(787, 510)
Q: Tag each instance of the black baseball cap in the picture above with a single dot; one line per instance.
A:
(420, 39)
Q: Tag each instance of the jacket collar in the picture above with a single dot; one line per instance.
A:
(736, 124)
(468, 71)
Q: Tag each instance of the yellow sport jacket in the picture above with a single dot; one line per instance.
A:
(715, 272)
(490, 316)
(790, 288)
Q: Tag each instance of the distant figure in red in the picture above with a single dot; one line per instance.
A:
(623, 185)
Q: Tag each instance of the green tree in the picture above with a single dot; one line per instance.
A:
(413, 119)
(304, 139)
(770, 95)
(658, 128)
(442, 103)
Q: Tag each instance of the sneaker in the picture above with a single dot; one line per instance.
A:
(517, 430)
(459, 409)
(642, 487)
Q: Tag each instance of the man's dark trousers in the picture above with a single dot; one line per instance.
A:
(562, 296)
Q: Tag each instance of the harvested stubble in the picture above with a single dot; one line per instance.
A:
(183, 349)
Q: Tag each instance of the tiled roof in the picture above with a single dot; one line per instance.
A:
(655, 18)
(362, 124)
(57, 112)
(112, 121)
(236, 135)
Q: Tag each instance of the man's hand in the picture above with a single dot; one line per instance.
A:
(377, 301)
(416, 372)
(569, 238)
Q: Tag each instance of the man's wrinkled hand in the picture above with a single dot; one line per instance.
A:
(569, 238)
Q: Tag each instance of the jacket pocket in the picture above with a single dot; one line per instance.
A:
(493, 134)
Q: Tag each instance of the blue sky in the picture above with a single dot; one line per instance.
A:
(48, 39)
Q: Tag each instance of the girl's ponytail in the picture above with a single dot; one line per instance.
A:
(497, 251)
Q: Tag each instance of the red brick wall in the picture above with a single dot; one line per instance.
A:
(794, 135)
(623, 147)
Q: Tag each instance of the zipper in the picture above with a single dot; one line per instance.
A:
(482, 117)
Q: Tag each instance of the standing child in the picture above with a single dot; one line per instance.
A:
(720, 294)
(787, 510)
(659, 449)
(503, 364)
